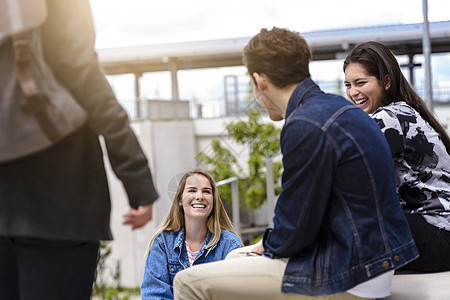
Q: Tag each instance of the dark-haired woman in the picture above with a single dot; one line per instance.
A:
(419, 145)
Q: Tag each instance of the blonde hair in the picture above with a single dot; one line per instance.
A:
(217, 221)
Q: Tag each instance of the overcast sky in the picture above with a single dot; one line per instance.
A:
(143, 22)
(137, 22)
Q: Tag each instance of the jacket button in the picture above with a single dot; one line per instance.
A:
(385, 264)
(172, 270)
(397, 258)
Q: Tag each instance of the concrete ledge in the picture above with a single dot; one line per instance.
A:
(167, 110)
(432, 286)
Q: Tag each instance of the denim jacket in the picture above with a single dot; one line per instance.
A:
(168, 256)
(338, 218)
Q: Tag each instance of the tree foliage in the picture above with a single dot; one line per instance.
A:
(221, 165)
(262, 140)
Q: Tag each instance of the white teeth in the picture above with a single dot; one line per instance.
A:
(358, 102)
(198, 206)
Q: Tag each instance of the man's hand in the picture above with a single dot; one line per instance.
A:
(258, 249)
(138, 217)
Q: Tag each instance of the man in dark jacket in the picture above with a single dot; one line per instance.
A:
(339, 230)
(55, 204)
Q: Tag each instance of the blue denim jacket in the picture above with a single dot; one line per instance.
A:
(338, 218)
(168, 256)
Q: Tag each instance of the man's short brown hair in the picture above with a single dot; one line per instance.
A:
(282, 55)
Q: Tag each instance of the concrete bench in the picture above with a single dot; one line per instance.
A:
(431, 286)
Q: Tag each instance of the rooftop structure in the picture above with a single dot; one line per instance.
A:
(403, 39)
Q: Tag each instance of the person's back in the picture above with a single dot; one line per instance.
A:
(55, 202)
(346, 199)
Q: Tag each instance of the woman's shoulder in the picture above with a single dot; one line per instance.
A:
(394, 109)
(391, 114)
(228, 233)
(167, 235)
(164, 233)
(230, 237)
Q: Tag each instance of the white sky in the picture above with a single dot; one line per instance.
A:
(143, 22)
(137, 22)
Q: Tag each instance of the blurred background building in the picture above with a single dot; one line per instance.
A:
(179, 91)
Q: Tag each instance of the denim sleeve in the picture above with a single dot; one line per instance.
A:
(309, 161)
(156, 283)
(233, 243)
(228, 242)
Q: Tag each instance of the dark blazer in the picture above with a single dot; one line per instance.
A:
(62, 192)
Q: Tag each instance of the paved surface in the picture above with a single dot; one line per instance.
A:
(132, 297)
(434, 286)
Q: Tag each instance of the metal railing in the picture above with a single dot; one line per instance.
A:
(270, 192)
(234, 201)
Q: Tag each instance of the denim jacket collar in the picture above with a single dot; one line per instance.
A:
(168, 256)
(302, 89)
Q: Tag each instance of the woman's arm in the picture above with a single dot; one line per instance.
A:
(156, 283)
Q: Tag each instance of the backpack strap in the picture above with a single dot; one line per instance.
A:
(21, 15)
(37, 102)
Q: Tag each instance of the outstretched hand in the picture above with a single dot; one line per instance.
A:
(137, 218)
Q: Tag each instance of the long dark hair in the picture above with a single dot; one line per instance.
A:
(379, 61)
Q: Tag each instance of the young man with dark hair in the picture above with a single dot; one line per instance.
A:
(339, 230)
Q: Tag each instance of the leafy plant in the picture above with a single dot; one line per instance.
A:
(263, 142)
(103, 290)
(221, 166)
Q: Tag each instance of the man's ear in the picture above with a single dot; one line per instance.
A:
(387, 82)
(260, 80)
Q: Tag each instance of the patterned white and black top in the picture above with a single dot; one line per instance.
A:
(421, 162)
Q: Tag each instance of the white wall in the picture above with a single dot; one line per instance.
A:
(170, 148)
